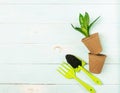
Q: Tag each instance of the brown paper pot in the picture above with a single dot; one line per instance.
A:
(93, 43)
(96, 62)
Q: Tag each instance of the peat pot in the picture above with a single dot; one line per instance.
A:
(93, 43)
(96, 62)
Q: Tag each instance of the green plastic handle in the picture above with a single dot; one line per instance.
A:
(85, 85)
(94, 78)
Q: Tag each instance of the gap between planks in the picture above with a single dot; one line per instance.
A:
(48, 64)
(47, 84)
(60, 4)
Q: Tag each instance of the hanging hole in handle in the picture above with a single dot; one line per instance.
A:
(91, 89)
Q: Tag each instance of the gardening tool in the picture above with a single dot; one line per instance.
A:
(77, 64)
(68, 72)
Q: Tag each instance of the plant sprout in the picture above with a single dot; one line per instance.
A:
(85, 24)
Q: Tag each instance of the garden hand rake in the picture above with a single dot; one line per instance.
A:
(68, 72)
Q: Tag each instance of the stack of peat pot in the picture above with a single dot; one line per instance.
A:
(96, 60)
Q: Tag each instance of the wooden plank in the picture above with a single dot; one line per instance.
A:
(55, 13)
(59, 2)
(55, 88)
(42, 54)
(53, 33)
(47, 74)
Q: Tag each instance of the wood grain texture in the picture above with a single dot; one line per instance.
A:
(59, 2)
(30, 29)
(55, 13)
(55, 88)
(47, 74)
(34, 43)
(44, 54)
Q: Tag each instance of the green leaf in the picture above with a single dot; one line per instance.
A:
(81, 19)
(79, 29)
(93, 22)
(85, 23)
(87, 18)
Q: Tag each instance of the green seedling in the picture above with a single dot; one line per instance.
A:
(85, 24)
(68, 72)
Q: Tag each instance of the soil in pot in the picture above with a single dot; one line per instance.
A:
(96, 62)
(93, 43)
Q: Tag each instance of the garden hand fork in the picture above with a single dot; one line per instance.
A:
(67, 71)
